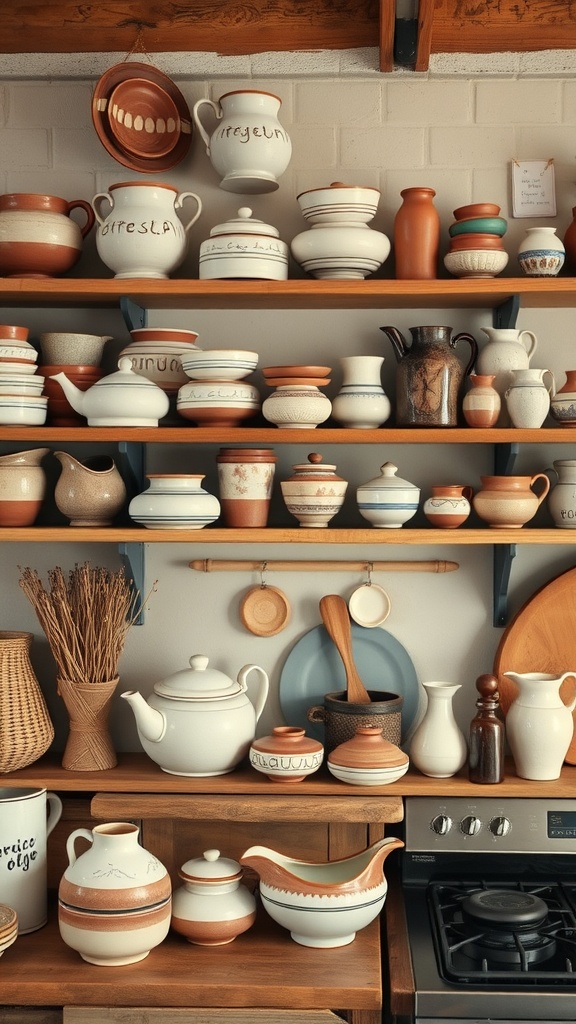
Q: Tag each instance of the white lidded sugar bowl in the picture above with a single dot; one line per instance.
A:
(243, 247)
(388, 501)
(213, 906)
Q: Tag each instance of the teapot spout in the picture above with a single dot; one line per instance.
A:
(399, 346)
(151, 723)
(74, 395)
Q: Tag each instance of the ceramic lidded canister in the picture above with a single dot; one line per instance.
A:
(314, 493)
(213, 906)
(287, 755)
(244, 247)
(388, 501)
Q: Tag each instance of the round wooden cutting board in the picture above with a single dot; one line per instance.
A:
(542, 638)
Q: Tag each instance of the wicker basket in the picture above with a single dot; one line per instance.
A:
(26, 730)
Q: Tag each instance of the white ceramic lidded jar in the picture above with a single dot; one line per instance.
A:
(244, 247)
(249, 148)
(174, 501)
(213, 907)
(314, 494)
(142, 235)
(388, 501)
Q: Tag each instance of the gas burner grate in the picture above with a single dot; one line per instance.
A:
(500, 951)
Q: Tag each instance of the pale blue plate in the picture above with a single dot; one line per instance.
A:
(314, 667)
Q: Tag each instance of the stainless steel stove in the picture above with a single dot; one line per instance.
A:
(489, 892)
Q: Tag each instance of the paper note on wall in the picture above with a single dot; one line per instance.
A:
(533, 188)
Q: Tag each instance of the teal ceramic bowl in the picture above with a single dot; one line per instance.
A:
(484, 225)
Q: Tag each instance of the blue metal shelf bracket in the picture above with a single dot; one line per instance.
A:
(506, 314)
(132, 556)
(135, 316)
(504, 459)
(132, 456)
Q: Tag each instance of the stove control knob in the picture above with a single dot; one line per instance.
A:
(441, 824)
(500, 826)
(470, 825)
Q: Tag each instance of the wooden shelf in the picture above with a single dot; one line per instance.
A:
(293, 294)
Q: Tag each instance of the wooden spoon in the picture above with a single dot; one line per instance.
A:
(337, 621)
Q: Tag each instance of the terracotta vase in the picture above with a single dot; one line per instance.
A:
(481, 405)
(448, 506)
(417, 235)
(509, 501)
(26, 730)
(288, 755)
(89, 745)
(245, 478)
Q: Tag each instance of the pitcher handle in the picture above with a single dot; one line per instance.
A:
(54, 811)
(572, 705)
(78, 833)
(196, 115)
(470, 340)
(545, 487)
(81, 204)
(179, 202)
(532, 343)
(262, 689)
(552, 387)
(97, 202)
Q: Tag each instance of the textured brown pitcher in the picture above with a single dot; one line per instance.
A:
(429, 375)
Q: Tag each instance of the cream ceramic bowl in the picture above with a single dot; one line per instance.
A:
(21, 384)
(9, 366)
(368, 776)
(14, 350)
(219, 364)
(476, 262)
(23, 410)
(339, 204)
(114, 939)
(218, 403)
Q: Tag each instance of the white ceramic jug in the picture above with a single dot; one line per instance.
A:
(249, 148)
(528, 398)
(507, 349)
(27, 817)
(539, 726)
(562, 497)
(142, 235)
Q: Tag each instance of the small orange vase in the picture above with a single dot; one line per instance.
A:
(417, 235)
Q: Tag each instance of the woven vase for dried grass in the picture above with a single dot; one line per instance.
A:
(26, 730)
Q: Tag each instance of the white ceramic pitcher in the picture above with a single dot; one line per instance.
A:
(507, 349)
(249, 148)
(539, 726)
(24, 828)
(528, 397)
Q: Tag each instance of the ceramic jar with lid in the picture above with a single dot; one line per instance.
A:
(388, 501)
(368, 759)
(315, 493)
(287, 755)
(244, 247)
(213, 906)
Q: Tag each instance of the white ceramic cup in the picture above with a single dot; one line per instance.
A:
(24, 828)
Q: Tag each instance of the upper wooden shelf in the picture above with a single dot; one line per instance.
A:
(444, 26)
(293, 294)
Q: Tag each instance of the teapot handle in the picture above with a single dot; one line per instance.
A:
(179, 202)
(545, 486)
(195, 114)
(262, 689)
(470, 340)
(97, 202)
(78, 833)
(81, 204)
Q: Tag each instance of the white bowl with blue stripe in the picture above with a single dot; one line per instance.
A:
(219, 364)
(388, 501)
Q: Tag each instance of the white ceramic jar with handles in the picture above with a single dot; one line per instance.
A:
(27, 817)
(142, 234)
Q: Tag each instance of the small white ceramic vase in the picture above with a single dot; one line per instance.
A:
(562, 497)
(388, 501)
(541, 253)
(212, 907)
(539, 726)
(438, 746)
(361, 401)
(298, 406)
(142, 235)
(528, 398)
(174, 501)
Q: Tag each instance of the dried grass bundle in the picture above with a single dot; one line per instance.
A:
(85, 616)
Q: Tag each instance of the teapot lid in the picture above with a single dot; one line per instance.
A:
(210, 867)
(125, 374)
(244, 224)
(198, 682)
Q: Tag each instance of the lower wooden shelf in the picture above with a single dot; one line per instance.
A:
(263, 967)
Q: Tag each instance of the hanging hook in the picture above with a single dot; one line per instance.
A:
(263, 568)
(369, 570)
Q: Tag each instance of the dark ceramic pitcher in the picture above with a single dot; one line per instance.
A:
(429, 375)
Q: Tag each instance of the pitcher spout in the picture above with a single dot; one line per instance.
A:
(399, 345)
(348, 874)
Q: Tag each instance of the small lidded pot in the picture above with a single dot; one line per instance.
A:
(314, 494)
(288, 755)
(388, 501)
(244, 248)
(212, 907)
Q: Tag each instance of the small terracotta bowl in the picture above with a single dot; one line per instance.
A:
(476, 240)
(476, 210)
(12, 333)
(143, 118)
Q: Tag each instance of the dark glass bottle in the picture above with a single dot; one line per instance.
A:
(486, 749)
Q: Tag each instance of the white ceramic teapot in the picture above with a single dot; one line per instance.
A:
(199, 721)
(122, 399)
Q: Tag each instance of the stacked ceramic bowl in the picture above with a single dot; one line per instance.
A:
(8, 927)
(476, 248)
(21, 399)
(217, 394)
(297, 400)
(157, 353)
